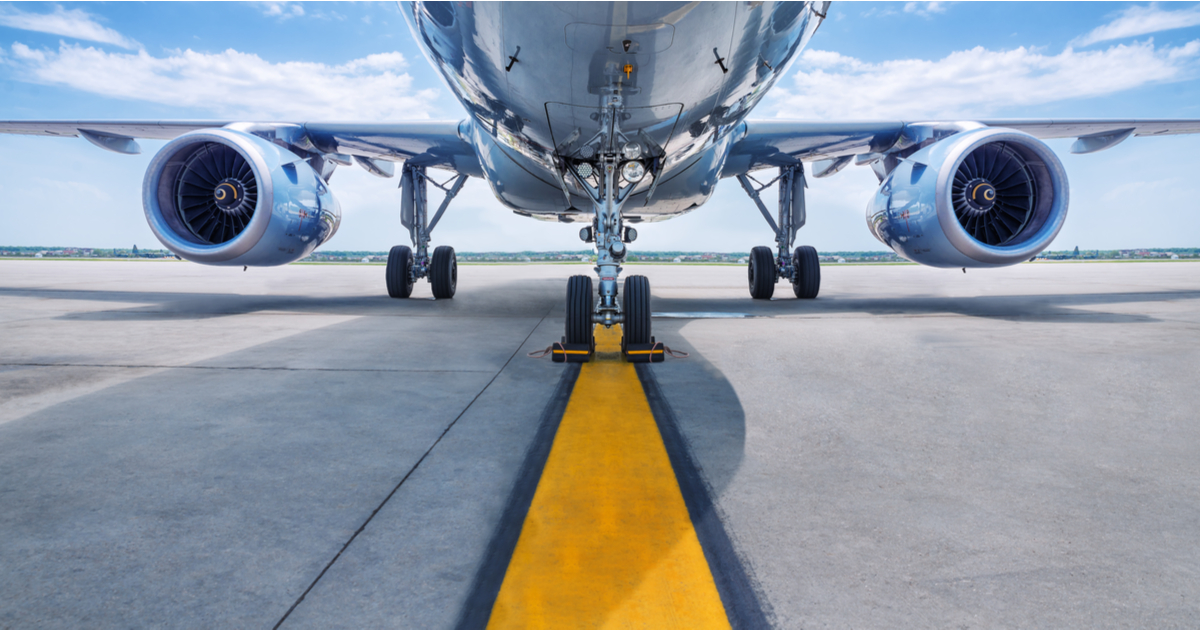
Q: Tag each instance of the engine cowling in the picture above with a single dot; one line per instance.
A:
(986, 197)
(224, 197)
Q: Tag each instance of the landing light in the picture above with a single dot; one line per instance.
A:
(631, 150)
(584, 169)
(633, 171)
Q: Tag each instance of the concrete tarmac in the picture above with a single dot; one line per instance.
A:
(185, 446)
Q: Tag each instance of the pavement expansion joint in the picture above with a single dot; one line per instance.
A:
(408, 474)
(701, 315)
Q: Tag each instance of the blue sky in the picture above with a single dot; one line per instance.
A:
(357, 61)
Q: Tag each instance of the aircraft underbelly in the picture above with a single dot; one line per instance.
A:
(533, 74)
(570, 52)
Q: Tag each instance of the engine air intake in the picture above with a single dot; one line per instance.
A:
(981, 197)
(994, 194)
(228, 197)
(216, 193)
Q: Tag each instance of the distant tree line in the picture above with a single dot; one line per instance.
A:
(587, 255)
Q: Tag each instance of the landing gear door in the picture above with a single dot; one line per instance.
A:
(574, 127)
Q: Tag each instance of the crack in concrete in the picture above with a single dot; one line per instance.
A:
(408, 474)
(237, 367)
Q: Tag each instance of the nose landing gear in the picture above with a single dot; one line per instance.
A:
(636, 301)
(607, 167)
(579, 311)
(634, 317)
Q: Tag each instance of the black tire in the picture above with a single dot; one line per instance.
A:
(579, 310)
(762, 273)
(443, 272)
(636, 296)
(399, 272)
(807, 282)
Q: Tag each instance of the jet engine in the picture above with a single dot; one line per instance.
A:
(224, 197)
(987, 197)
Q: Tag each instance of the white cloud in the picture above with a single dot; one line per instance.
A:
(972, 83)
(75, 23)
(1140, 20)
(281, 10)
(288, 10)
(234, 84)
(876, 12)
(925, 9)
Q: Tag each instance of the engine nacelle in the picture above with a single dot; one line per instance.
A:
(223, 197)
(986, 197)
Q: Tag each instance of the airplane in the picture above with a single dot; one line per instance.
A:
(608, 115)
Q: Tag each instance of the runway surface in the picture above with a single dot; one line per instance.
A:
(183, 446)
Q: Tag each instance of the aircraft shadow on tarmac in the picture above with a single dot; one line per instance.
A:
(1070, 307)
(517, 299)
(529, 297)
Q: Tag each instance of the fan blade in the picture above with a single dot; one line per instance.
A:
(204, 163)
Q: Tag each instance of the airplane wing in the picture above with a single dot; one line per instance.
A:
(785, 143)
(149, 129)
(424, 143)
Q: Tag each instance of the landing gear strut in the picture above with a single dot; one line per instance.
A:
(801, 267)
(608, 166)
(405, 266)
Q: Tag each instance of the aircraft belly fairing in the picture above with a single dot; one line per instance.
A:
(687, 74)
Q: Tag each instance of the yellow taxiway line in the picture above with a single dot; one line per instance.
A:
(607, 541)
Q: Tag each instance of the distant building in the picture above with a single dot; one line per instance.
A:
(841, 260)
(677, 259)
(366, 260)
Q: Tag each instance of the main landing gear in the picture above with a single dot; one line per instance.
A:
(801, 266)
(405, 266)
